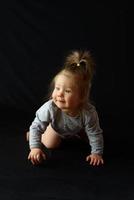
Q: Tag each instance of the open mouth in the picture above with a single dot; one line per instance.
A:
(61, 101)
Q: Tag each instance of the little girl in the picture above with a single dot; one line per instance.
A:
(68, 111)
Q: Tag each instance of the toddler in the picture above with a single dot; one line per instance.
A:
(68, 111)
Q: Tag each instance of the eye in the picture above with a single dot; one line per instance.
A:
(68, 91)
(57, 88)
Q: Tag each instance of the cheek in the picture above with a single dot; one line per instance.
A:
(71, 99)
(53, 95)
(75, 99)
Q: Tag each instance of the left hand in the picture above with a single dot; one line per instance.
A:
(95, 159)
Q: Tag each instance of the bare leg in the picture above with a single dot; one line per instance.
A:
(50, 138)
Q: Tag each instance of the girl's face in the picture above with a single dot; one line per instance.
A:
(66, 94)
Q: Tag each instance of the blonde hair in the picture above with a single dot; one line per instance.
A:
(79, 64)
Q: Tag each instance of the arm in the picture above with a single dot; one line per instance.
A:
(94, 133)
(37, 128)
(39, 125)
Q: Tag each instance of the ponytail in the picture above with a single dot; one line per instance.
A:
(80, 62)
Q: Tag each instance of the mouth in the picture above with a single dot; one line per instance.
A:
(61, 101)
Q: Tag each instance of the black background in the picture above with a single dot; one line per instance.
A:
(35, 36)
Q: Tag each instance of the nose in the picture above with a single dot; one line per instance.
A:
(60, 93)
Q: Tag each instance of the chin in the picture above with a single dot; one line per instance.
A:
(59, 104)
(62, 107)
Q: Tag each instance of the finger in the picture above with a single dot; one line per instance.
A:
(91, 161)
(34, 159)
(33, 162)
(87, 158)
(98, 162)
(102, 161)
(29, 157)
(44, 156)
(94, 161)
(38, 157)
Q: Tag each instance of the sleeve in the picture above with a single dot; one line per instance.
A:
(38, 127)
(94, 133)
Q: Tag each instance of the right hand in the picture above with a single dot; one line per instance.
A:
(36, 156)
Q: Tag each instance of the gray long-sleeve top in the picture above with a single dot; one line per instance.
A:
(66, 125)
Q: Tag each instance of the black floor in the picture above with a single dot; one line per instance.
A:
(66, 176)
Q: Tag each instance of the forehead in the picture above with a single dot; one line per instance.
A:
(66, 76)
(67, 79)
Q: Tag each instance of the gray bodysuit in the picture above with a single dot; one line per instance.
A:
(67, 126)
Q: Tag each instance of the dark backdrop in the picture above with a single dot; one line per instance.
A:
(35, 36)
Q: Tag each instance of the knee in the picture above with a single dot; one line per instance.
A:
(50, 142)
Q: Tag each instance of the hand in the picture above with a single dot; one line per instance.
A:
(36, 156)
(95, 159)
